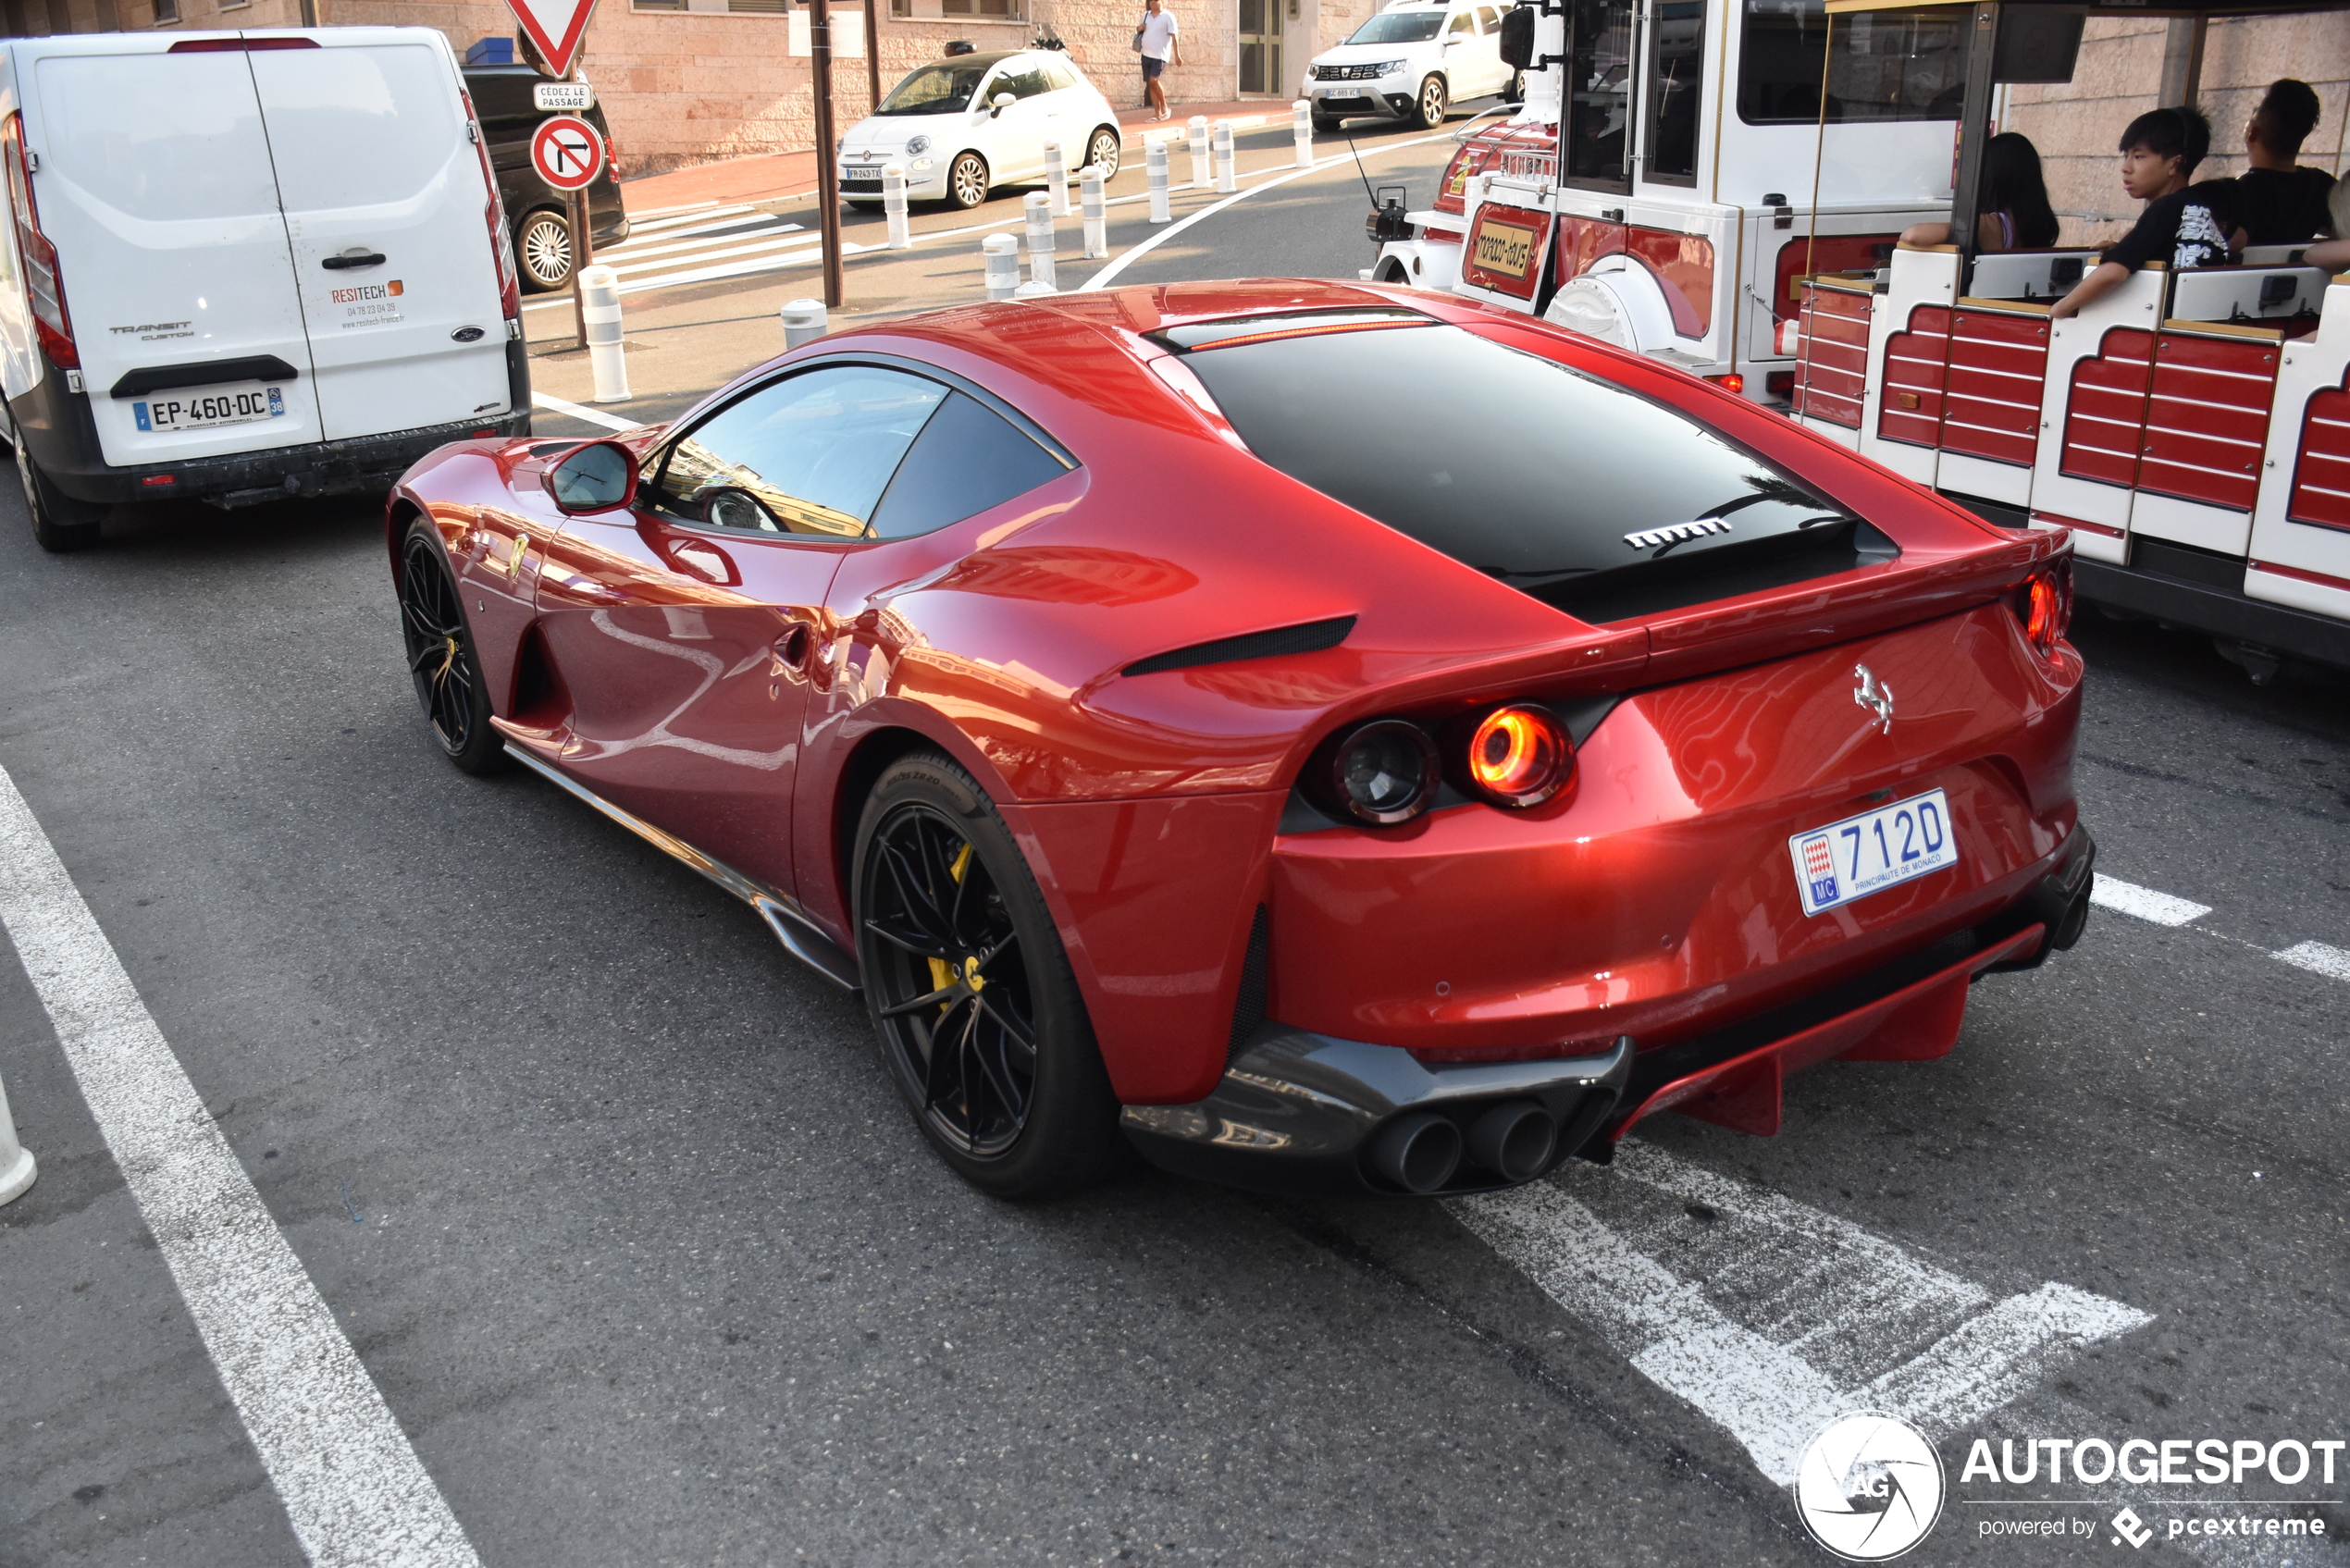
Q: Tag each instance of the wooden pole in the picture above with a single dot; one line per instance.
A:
(583, 254)
(873, 54)
(819, 51)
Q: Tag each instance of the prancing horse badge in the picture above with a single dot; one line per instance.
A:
(1874, 696)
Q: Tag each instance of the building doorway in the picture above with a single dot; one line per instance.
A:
(1260, 39)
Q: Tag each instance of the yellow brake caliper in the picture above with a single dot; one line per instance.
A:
(942, 973)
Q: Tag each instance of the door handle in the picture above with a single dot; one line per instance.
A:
(353, 258)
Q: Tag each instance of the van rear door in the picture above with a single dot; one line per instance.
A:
(154, 186)
(387, 211)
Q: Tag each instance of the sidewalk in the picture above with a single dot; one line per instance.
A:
(779, 177)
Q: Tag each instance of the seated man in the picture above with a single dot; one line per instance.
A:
(2277, 204)
(2182, 225)
(2334, 254)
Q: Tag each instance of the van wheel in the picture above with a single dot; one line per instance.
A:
(544, 248)
(59, 522)
(967, 180)
(1429, 112)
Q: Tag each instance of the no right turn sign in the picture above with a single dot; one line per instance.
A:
(567, 153)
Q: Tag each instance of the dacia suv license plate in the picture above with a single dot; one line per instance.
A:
(208, 408)
(1876, 850)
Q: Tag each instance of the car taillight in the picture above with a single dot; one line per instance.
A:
(44, 285)
(1518, 757)
(612, 157)
(1378, 773)
(2045, 606)
(502, 244)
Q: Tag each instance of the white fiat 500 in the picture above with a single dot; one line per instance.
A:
(1412, 61)
(967, 122)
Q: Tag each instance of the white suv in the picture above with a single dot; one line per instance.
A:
(1412, 61)
(967, 122)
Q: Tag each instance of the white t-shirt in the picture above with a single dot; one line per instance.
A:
(1159, 33)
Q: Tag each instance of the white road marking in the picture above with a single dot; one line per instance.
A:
(351, 1486)
(1771, 1317)
(2144, 903)
(701, 214)
(553, 404)
(2319, 959)
(699, 238)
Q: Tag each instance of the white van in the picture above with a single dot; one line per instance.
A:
(243, 267)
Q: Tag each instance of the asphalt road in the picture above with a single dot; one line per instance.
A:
(646, 1260)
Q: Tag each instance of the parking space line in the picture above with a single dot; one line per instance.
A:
(352, 1488)
(553, 404)
(1771, 1317)
(2144, 903)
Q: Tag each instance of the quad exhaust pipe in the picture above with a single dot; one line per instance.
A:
(1422, 1153)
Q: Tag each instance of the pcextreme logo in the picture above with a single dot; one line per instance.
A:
(1869, 1486)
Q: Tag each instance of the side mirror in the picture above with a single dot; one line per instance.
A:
(597, 478)
(1001, 102)
(1517, 37)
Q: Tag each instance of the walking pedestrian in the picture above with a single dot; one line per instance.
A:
(1154, 40)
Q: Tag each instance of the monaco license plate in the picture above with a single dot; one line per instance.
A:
(1505, 248)
(208, 408)
(1876, 850)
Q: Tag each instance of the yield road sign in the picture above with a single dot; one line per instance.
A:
(567, 153)
(555, 28)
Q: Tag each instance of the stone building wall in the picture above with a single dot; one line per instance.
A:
(2076, 124)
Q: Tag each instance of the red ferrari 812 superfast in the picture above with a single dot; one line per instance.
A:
(1327, 736)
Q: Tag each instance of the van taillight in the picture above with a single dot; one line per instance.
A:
(51, 325)
(242, 46)
(501, 244)
(612, 157)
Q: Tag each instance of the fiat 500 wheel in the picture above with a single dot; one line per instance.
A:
(967, 180)
(979, 1023)
(1101, 152)
(1429, 112)
(442, 660)
(544, 249)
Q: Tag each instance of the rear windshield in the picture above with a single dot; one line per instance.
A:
(1398, 27)
(942, 89)
(1590, 498)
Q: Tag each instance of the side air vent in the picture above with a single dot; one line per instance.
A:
(1249, 1010)
(1312, 636)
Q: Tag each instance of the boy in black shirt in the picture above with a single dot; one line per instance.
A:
(2277, 204)
(2182, 225)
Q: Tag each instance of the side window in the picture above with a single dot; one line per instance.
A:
(1677, 77)
(1488, 21)
(969, 459)
(1029, 83)
(1462, 26)
(1060, 76)
(809, 454)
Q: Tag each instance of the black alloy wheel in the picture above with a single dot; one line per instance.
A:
(1328, 125)
(967, 180)
(440, 654)
(978, 1016)
(1515, 91)
(1101, 153)
(1429, 112)
(544, 249)
(59, 522)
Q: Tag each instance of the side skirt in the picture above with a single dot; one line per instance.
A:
(795, 930)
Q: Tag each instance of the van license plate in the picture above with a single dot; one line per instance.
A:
(1873, 851)
(208, 408)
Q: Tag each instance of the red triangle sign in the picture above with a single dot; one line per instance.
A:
(554, 28)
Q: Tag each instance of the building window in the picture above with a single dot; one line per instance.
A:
(166, 12)
(1005, 9)
(902, 8)
(773, 7)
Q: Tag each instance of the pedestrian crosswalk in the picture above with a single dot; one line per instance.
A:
(707, 244)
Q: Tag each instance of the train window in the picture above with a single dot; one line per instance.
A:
(1676, 73)
(1888, 65)
(1596, 138)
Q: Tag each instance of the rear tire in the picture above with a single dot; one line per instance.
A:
(542, 246)
(1428, 110)
(442, 660)
(59, 522)
(977, 1017)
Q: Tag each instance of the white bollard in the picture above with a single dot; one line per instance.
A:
(1056, 179)
(1089, 185)
(599, 308)
(1040, 238)
(803, 322)
(1154, 159)
(1002, 252)
(1227, 179)
(901, 236)
(1032, 288)
(17, 1169)
(1301, 115)
(1196, 128)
